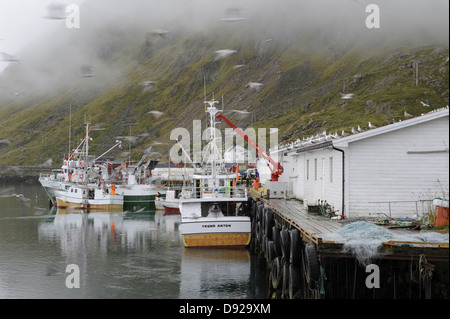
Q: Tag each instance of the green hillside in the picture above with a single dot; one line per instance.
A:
(302, 81)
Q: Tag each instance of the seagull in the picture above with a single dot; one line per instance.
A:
(156, 114)
(233, 14)
(344, 134)
(159, 32)
(5, 57)
(254, 86)
(407, 115)
(240, 112)
(371, 126)
(147, 85)
(56, 11)
(238, 66)
(222, 54)
(86, 71)
(424, 104)
(131, 139)
(360, 129)
(354, 131)
(347, 96)
(7, 142)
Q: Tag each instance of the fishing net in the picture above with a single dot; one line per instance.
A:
(363, 239)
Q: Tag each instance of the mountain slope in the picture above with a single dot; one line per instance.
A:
(302, 80)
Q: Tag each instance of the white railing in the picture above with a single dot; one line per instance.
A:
(210, 192)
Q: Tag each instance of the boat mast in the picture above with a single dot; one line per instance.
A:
(212, 110)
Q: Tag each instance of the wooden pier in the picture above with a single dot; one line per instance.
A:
(313, 267)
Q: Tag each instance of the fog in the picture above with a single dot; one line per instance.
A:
(113, 29)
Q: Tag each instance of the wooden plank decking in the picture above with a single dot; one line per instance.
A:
(312, 227)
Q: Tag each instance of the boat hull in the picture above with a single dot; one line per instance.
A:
(225, 240)
(227, 231)
(89, 206)
(171, 210)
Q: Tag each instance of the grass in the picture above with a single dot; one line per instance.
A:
(40, 131)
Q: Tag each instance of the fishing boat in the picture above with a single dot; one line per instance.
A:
(169, 203)
(90, 198)
(132, 182)
(210, 214)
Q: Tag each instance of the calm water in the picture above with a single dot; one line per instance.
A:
(119, 255)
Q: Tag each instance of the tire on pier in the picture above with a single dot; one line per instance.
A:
(295, 248)
(285, 245)
(270, 251)
(285, 283)
(268, 222)
(312, 266)
(294, 282)
(276, 240)
(277, 272)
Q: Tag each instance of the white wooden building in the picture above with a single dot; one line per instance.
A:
(397, 169)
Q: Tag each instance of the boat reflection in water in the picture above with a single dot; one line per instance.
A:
(216, 274)
(119, 254)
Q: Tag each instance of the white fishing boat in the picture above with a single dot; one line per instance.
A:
(89, 198)
(210, 214)
(169, 203)
(79, 167)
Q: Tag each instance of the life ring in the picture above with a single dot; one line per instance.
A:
(312, 266)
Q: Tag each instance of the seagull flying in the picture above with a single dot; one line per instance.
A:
(86, 71)
(347, 96)
(147, 85)
(159, 32)
(254, 86)
(7, 142)
(424, 104)
(233, 14)
(5, 57)
(240, 112)
(56, 11)
(156, 114)
(222, 54)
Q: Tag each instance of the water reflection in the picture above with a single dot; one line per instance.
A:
(120, 255)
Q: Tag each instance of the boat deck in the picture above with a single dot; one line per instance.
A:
(313, 227)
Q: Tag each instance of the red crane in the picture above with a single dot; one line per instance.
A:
(275, 167)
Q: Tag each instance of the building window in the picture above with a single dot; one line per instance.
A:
(307, 169)
(331, 169)
(315, 169)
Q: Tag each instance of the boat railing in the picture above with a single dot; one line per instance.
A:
(218, 192)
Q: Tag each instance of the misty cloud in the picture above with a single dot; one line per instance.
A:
(112, 29)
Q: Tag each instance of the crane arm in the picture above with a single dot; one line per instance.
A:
(276, 168)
